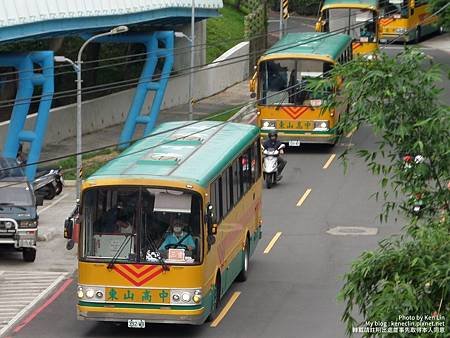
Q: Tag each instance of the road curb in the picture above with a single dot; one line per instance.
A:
(70, 183)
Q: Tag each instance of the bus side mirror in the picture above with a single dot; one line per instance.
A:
(252, 95)
(318, 27)
(252, 85)
(68, 228)
(212, 225)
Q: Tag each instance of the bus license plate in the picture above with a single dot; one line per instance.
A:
(294, 143)
(136, 323)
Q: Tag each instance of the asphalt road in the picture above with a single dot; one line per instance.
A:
(291, 290)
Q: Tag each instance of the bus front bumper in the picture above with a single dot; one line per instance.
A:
(305, 137)
(164, 316)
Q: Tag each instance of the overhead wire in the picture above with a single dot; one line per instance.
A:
(188, 124)
(137, 81)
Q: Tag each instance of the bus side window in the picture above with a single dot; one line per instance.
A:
(255, 161)
(225, 189)
(230, 186)
(215, 199)
(236, 181)
(246, 176)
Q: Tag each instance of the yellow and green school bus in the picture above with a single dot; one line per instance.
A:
(280, 83)
(407, 20)
(135, 265)
(357, 18)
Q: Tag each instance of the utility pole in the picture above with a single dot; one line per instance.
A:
(284, 15)
(191, 73)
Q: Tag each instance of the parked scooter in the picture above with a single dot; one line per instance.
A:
(270, 165)
(49, 182)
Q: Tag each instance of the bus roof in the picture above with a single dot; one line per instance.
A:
(309, 44)
(373, 4)
(194, 153)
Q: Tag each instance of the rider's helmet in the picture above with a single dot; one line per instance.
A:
(273, 135)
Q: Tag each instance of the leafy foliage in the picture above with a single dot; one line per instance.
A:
(435, 5)
(224, 32)
(399, 98)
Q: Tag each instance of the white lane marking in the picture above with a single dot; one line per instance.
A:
(10, 322)
(327, 164)
(303, 198)
(52, 204)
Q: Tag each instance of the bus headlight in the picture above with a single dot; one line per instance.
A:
(80, 292)
(90, 293)
(8, 225)
(401, 30)
(321, 125)
(197, 299)
(185, 296)
(268, 124)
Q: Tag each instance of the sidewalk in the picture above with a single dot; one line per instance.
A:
(230, 98)
(441, 42)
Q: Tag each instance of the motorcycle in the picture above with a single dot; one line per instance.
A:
(270, 165)
(49, 182)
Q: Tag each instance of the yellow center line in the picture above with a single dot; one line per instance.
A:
(303, 198)
(351, 133)
(226, 308)
(327, 164)
(272, 242)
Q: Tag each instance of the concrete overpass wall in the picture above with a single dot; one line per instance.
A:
(112, 109)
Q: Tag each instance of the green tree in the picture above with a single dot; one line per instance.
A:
(407, 274)
(436, 5)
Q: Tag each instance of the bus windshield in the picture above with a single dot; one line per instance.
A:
(285, 81)
(142, 225)
(395, 8)
(358, 23)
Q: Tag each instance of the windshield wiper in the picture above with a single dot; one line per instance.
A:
(285, 96)
(12, 205)
(119, 251)
(154, 248)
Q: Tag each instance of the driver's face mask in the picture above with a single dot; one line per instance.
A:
(177, 229)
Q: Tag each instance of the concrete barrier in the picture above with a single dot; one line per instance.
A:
(227, 70)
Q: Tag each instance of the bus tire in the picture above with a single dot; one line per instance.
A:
(29, 254)
(216, 301)
(243, 275)
(418, 35)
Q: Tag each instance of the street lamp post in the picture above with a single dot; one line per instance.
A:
(191, 73)
(77, 68)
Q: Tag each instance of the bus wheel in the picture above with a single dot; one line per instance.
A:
(216, 301)
(29, 254)
(243, 275)
(418, 36)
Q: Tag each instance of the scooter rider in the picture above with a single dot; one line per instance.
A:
(273, 143)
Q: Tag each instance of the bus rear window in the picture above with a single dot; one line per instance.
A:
(284, 82)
